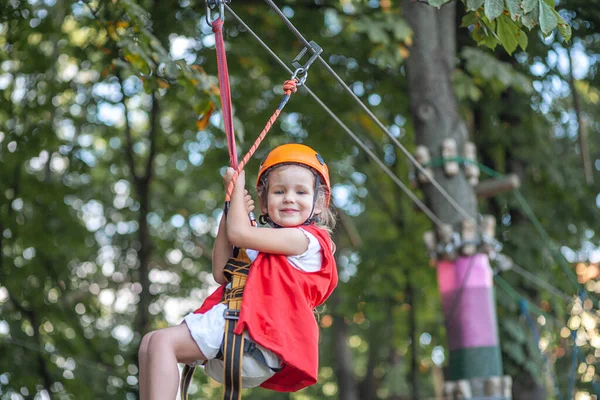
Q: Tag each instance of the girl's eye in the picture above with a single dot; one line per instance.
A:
(278, 192)
(301, 192)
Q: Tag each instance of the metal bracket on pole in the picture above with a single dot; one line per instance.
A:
(424, 158)
(474, 237)
(450, 154)
(472, 171)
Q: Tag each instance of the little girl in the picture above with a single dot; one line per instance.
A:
(293, 271)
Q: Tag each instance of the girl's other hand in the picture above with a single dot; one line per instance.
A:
(228, 176)
(249, 202)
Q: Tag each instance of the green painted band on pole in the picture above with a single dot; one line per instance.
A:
(475, 362)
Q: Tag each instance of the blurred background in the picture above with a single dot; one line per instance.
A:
(112, 148)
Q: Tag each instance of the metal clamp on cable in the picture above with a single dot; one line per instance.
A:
(301, 72)
(212, 5)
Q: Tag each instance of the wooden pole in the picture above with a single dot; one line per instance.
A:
(492, 187)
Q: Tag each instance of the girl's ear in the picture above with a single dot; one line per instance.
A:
(319, 204)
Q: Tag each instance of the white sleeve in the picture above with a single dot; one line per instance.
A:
(312, 259)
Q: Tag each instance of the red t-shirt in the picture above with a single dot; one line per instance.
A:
(277, 312)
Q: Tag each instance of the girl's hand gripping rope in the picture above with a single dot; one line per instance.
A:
(248, 200)
(235, 182)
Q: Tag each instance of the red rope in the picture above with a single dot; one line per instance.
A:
(289, 87)
(225, 91)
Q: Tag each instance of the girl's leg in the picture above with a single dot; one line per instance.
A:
(166, 348)
(143, 365)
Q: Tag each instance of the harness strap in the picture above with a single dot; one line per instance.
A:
(236, 272)
(251, 349)
(233, 352)
(186, 379)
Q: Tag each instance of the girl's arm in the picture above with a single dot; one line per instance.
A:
(286, 241)
(222, 251)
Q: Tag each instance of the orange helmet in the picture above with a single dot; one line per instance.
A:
(296, 154)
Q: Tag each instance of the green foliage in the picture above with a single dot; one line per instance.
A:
(73, 202)
(511, 16)
(389, 35)
(499, 75)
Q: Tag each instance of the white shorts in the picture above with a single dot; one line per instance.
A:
(207, 330)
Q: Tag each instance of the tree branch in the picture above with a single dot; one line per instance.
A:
(154, 125)
(128, 136)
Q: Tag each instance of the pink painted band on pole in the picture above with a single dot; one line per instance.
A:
(476, 269)
(469, 312)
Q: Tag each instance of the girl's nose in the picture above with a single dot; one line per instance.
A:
(287, 197)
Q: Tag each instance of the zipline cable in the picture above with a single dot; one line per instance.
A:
(419, 203)
(373, 156)
(399, 145)
(396, 180)
(541, 282)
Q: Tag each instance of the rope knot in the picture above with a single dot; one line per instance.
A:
(290, 87)
(217, 25)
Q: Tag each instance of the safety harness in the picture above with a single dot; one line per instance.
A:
(237, 268)
(234, 346)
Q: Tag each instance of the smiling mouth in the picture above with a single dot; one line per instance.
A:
(288, 211)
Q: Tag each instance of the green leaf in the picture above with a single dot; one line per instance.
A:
(468, 20)
(402, 30)
(528, 21)
(563, 27)
(548, 20)
(507, 32)
(514, 7)
(474, 4)
(523, 39)
(529, 5)
(494, 8)
(465, 87)
(486, 69)
(484, 38)
(377, 35)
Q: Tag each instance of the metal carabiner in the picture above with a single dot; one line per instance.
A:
(211, 5)
(300, 76)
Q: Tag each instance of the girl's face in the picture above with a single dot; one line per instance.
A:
(290, 195)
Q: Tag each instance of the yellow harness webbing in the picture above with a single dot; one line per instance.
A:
(236, 272)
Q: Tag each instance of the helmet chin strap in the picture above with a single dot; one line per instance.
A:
(266, 220)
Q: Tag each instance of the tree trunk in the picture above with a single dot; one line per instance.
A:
(581, 130)
(414, 340)
(433, 103)
(475, 358)
(344, 365)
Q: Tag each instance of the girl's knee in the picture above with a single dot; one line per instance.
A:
(144, 345)
(160, 339)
